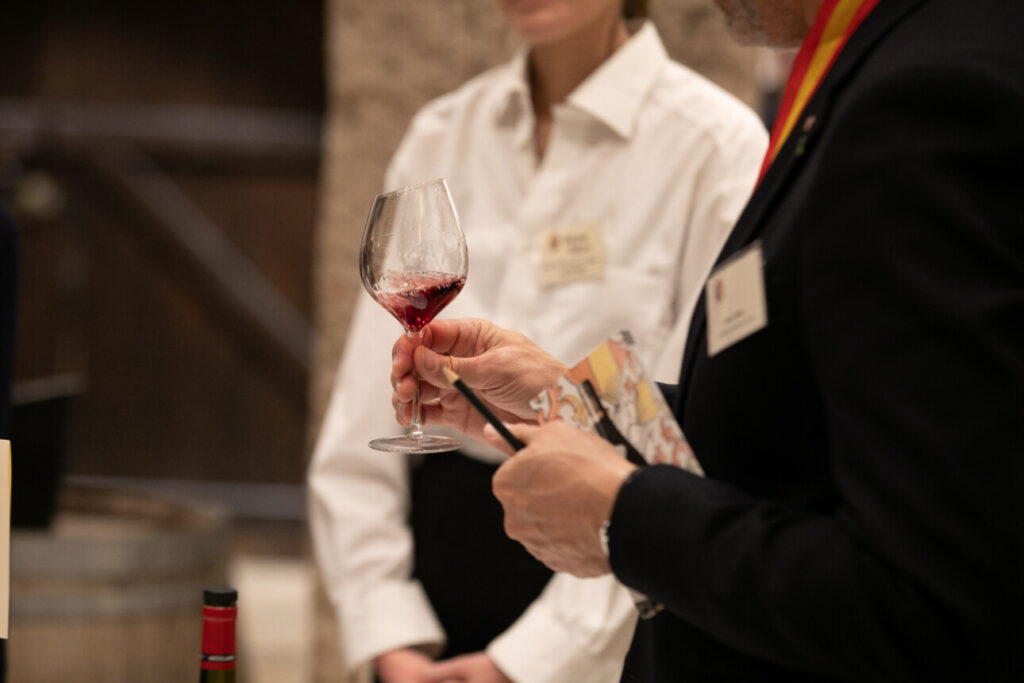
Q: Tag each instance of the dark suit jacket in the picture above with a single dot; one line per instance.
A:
(864, 451)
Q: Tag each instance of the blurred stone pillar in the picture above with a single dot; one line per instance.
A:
(384, 60)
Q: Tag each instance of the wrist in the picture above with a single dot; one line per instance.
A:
(604, 531)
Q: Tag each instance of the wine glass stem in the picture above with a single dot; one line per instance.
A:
(416, 418)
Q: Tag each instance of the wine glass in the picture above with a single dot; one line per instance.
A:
(413, 262)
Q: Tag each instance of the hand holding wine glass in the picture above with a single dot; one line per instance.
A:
(413, 262)
(503, 368)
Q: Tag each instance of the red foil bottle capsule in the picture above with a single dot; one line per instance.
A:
(220, 612)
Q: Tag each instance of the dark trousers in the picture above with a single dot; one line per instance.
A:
(478, 580)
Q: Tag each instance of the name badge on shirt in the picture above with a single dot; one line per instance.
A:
(571, 255)
(735, 299)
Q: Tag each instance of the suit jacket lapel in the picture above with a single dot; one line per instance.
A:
(778, 178)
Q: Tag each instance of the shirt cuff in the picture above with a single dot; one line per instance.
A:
(389, 616)
(539, 648)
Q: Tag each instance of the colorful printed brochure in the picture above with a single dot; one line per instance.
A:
(631, 400)
(641, 418)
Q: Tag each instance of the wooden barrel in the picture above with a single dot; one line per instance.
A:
(112, 591)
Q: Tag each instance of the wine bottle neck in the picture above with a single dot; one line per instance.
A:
(218, 647)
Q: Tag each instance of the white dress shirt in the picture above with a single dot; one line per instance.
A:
(653, 159)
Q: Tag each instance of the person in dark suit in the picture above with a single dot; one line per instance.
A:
(858, 410)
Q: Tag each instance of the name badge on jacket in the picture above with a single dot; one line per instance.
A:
(735, 299)
(571, 255)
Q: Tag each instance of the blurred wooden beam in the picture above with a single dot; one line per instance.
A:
(230, 280)
(253, 312)
(237, 136)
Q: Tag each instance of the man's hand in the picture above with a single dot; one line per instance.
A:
(477, 667)
(557, 492)
(505, 369)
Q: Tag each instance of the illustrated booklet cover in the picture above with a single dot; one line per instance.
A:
(610, 383)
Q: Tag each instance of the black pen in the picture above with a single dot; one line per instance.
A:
(457, 382)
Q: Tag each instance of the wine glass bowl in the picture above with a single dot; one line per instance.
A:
(416, 298)
(413, 262)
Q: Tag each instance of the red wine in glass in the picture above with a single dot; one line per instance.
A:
(413, 262)
(416, 298)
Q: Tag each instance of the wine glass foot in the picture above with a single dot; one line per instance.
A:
(428, 443)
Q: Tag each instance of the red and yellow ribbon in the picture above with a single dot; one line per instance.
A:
(836, 22)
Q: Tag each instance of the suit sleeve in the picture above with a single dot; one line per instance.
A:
(913, 314)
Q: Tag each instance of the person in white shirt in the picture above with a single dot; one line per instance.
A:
(590, 135)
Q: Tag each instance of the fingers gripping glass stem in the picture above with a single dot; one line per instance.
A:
(415, 440)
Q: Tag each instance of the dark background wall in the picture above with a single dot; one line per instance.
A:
(161, 159)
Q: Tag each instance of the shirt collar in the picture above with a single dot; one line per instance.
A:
(513, 91)
(614, 94)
